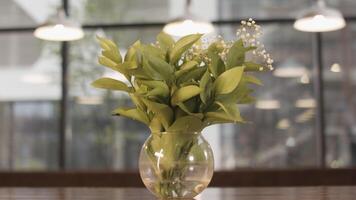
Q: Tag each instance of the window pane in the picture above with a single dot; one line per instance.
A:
(347, 7)
(124, 11)
(120, 11)
(340, 104)
(279, 137)
(17, 13)
(29, 92)
(281, 132)
(99, 140)
(231, 9)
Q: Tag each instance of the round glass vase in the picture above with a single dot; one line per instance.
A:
(176, 165)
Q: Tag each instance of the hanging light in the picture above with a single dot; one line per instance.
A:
(304, 79)
(305, 103)
(319, 18)
(188, 24)
(335, 67)
(61, 28)
(89, 100)
(305, 116)
(283, 124)
(290, 69)
(290, 142)
(267, 104)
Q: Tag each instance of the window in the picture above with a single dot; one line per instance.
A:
(339, 72)
(283, 133)
(99, 140)
(29, 95)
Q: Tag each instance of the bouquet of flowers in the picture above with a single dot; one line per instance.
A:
(187, 84)
(178, 88)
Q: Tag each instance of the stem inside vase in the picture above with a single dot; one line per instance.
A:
(178, 165)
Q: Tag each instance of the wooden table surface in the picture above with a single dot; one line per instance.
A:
(250, 193)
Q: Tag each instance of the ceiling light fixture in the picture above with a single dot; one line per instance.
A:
(290, 142)
(335, 67)
(319, 18)
(305, 103)
(61, 28)
(290, 69)
(268, 104)
(188, 24)
(36, 78)
(283, 124)
(304, 79)
(89, 100)
(305, 116)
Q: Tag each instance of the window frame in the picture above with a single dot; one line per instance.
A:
(317, 41)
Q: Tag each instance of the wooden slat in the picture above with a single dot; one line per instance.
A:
(247, 193)
(297, 177)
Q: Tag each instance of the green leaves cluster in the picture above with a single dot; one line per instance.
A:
(174, 92)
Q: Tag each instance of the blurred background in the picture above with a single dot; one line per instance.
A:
(40, 132)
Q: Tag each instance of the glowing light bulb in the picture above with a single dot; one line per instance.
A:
(305, 79)
(59, 29)
(319, 18)
(335, 68)
(180, 28)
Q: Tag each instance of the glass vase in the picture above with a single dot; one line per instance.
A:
(176, 165)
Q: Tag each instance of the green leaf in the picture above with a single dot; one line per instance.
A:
(215, 48)
(158, 88)
(205, 86)
(251, 66)
(179, 113)
(231, 110)
(124, 69)
(153, 51)
(150, 71)
(185, 93)
(155, 125)
(250, 48)
(139, 73)
(106, 43)
(188, 65)
(236, 96)
(182, 106)
(110, 49)
(111, 84)
(107, 62)
(228, 80)
(185, 68)
(216, 66)
(240, 92)
(183, 45)
(236, 55)
(142, 90)
(247, 100)
(194, 74)
(165, 41)
(164, 70)
(218, 117)
(132, 113)
(114, 56)
(162, 111)
(137, 101)
(252, 79)
(187, 123)
(131, 52)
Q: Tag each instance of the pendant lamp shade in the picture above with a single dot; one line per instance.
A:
(290, 68)
(61, 28)
(319, 18)
(185, 26)
(188, 24)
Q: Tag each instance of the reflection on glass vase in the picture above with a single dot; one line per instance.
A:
(176, 164)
